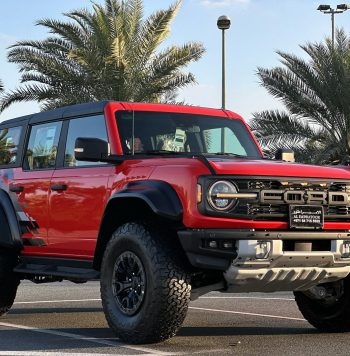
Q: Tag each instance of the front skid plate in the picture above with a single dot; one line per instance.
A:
(241, 279)
(285, 270)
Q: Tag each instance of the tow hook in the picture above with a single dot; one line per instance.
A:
(328, 292)
(317, 292)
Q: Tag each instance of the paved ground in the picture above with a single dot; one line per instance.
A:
(65, 319)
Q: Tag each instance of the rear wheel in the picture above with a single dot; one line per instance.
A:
(145, 288)
(9, 281)
(327, 306)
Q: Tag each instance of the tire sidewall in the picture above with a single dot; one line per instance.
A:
(132, 243)
(330, 318)
(9, 281)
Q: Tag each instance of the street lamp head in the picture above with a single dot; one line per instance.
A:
(324, 7)
(224, 22)
(343, 7)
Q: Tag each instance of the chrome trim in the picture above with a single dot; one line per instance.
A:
(237, 195)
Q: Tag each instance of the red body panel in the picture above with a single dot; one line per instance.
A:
(178, 171)
(276, 169)
(75, 214)
(34, 202)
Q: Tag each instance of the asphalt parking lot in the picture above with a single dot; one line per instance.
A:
(65, 319)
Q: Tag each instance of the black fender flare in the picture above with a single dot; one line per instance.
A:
(10, 236)
(160, 196)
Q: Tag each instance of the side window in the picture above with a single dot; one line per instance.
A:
(9, 140)
(42, 147)
(92, 126)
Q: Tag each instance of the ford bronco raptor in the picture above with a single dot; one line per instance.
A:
(162, 204)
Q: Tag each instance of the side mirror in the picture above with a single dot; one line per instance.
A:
(90, 149)
(284, 154)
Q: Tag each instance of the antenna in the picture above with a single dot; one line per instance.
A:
(133, 133)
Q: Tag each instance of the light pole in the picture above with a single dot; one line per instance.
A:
(223, 23)
(326, 9)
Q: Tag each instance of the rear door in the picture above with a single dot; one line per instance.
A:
(78, 192)
(32, 184)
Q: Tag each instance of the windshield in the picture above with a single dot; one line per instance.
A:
(144, 132)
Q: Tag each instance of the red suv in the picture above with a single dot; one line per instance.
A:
(164, 203)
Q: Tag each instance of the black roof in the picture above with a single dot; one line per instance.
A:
(60, 113)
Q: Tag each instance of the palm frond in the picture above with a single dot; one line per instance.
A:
(316, 94)
(108, 52)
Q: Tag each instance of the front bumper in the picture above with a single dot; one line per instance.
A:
(269, 261)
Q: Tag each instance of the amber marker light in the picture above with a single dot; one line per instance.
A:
(199, 193)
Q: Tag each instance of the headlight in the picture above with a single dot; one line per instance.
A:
(222, 203)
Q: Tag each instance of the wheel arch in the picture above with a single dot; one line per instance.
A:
(139, 200)
(10, 236)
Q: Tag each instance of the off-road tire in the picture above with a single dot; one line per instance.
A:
(9, 281)
(327, 317)
(167, 288)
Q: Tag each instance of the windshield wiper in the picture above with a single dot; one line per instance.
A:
(160, 152)
(197, 155)
(227, 154)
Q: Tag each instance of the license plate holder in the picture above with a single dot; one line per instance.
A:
(306, 217)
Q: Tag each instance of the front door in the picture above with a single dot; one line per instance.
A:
(78, 194)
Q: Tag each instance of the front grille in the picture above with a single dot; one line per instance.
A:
(275, 197)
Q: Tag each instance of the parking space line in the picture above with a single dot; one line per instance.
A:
(98, 300)
(146, 351)
(258, 298)
(59, 301)
(247, 313)
(195, 308)
(57, 353)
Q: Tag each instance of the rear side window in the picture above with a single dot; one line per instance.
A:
(9, 141)
(93, 127)
(42, 147)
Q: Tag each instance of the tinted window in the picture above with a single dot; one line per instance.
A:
(145, 131)
(42, 147)
(9, 140)
(92, 127)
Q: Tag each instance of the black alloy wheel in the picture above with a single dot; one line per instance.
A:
(129, 283)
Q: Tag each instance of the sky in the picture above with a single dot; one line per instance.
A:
(258, 29)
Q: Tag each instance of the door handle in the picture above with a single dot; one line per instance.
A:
(59, 187)
(16, 188)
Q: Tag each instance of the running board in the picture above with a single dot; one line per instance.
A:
(53, 267)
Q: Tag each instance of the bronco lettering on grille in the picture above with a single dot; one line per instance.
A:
(303, 197)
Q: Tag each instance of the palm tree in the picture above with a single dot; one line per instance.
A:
(316, 94)
(109, 52)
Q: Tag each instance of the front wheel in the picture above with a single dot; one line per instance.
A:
(327, 306)
(145, 288)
